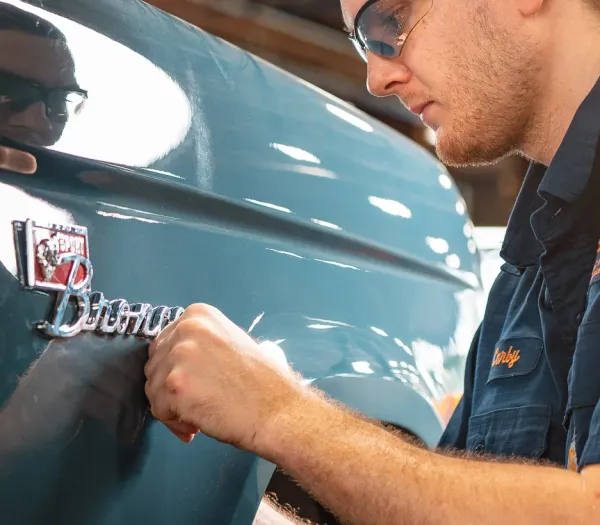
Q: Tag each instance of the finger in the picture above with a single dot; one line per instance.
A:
(186, 438)
(17, 161)
(155, 391)
(184, 431)
(161, 410)
(195, 311)
(160, 348)
(153, 364)
(158, 344)
(157, 351)
(180, 427)
(159, 397)
(162, 339)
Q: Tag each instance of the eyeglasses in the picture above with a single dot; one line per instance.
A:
(17, 94)
(383, 26)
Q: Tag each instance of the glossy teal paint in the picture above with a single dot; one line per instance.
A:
(204, 174)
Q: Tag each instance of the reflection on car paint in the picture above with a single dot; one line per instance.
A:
(43, 101)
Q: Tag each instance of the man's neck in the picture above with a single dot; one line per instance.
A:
(574, 58)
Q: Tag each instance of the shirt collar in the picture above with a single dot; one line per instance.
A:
(552, 193)
(521, 247)
(569, 173)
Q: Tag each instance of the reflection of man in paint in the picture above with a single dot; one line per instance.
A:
(75, 380)
(57, 394)
(38, 90)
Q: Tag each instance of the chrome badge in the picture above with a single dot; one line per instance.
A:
(56, 258)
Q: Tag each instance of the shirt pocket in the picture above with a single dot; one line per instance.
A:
(521, 432)
(515, 356)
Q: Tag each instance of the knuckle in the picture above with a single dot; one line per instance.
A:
(199, 309)
(152, 347)
(176, 381)
(191, 327)
(183, 351)
(219, 339)
(156, 412)
(147, 369)
(148, 390)
(203, 310)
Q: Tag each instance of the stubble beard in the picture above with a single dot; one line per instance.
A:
(492, 105)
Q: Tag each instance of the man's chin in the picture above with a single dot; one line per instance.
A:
(465, 151)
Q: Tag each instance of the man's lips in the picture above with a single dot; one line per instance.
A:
(418, 109)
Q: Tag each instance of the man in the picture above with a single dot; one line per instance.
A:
(491, 78)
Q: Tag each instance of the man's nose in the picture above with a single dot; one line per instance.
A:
(33, 117)
(385, 76)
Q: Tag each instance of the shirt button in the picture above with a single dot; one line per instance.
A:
(479, 447)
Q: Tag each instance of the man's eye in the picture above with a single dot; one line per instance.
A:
(398, 10)
(401, 16)
(395, 8)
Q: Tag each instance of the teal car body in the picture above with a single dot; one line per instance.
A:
(204, 174)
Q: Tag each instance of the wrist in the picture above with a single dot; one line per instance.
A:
(296, 420)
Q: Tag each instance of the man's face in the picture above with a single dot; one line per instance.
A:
(474, 65)
(43, 61)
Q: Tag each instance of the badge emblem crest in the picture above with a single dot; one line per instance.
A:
(47, 256)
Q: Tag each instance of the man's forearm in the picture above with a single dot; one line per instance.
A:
(370, 476)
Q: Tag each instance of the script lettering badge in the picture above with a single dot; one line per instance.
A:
(56, 259)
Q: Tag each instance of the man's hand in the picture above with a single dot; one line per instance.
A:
(206, 374)
(17, 161)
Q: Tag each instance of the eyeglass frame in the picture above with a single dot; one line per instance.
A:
(362, 52)
(45, 92)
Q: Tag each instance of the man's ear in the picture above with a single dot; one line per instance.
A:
(530, 7)
(17, 161)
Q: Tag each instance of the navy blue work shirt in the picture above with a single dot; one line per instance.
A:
(532, 384)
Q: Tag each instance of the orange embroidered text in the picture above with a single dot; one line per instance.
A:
(509, 357)
(572, 462)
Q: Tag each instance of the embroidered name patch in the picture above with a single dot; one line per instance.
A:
(515, 357)
(596, 270)
(506, 357)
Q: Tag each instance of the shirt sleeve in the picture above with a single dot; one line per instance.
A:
(455, 435)
(583, 408)
(591, 451)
